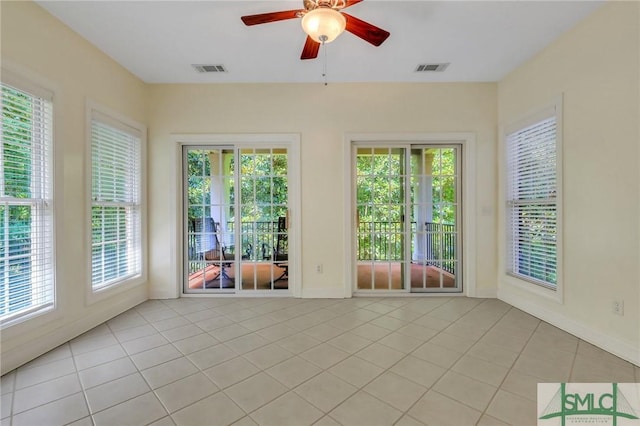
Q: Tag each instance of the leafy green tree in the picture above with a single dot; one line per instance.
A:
(17, 119)
(444, 186)
(380, 196)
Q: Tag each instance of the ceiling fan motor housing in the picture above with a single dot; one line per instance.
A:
(323, 24)
(333, 4)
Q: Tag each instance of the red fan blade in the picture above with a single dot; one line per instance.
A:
(365, 30)
(351, 3)
(310, 50)
(263, 18)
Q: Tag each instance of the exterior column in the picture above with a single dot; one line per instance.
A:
(423, 209)
(217, 205)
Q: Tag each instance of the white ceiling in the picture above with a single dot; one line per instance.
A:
(159, 40)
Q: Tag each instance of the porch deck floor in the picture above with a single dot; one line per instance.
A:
(259, 275)
(253, 276)
(383, 272)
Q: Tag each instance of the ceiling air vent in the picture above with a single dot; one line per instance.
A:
(209, 68)
(432, 67)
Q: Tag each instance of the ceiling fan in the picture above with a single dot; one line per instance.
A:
(323, 21)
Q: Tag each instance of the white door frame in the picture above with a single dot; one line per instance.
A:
(467, 141)
(289, 140)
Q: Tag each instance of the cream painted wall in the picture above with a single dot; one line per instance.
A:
(601, 179)
(602, 187)
(322, 115)
(42, 49)
(595, 66)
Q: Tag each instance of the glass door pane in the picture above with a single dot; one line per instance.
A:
(210, 240)
(435, 213)
(263, 205)
(380, 204)
(236, 198)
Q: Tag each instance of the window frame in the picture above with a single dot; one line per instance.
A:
(104, 115)
(552, 110)
(48, 219)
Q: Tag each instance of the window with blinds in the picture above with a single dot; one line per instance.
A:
(116, 236)
(532, 202)
(26, 204)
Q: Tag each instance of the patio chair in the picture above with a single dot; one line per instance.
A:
(219, 255)
(281, 250)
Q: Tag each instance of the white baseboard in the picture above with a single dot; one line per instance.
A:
(33, 348)
(323, 293)
(162, 294)
(486, 293)
(624, 350)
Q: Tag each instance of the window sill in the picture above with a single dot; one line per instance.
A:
(36, 312)
(96, 296)
(555, 295)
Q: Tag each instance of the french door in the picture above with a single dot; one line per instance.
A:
(407, 202)
(236, 227)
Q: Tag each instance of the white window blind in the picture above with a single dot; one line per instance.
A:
(532, 180)
(116, 242)
(26, 204)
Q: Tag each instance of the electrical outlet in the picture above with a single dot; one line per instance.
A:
(618, 307)
(319, 268)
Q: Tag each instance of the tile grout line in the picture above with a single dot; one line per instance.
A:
(112, 332)
(82, 389)
(297, 355)
(402, 358)
(431, 388)
(510, 368)
(13, 395)
(260, 370)
(361, 388)
(573, 360)
(76, 371)
(137, 370)
(322, 370)
(187, 310)
(153, 391)
(406, 355)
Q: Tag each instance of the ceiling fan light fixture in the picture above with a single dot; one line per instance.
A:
(323, 24)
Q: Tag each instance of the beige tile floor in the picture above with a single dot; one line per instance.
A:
(361, 361)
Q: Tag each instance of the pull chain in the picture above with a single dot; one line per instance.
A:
(324, 62)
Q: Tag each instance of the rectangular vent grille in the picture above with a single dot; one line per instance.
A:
(432, 67)
(209, 68)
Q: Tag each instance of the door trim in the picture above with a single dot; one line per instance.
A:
(292, 142)
(468, 172)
